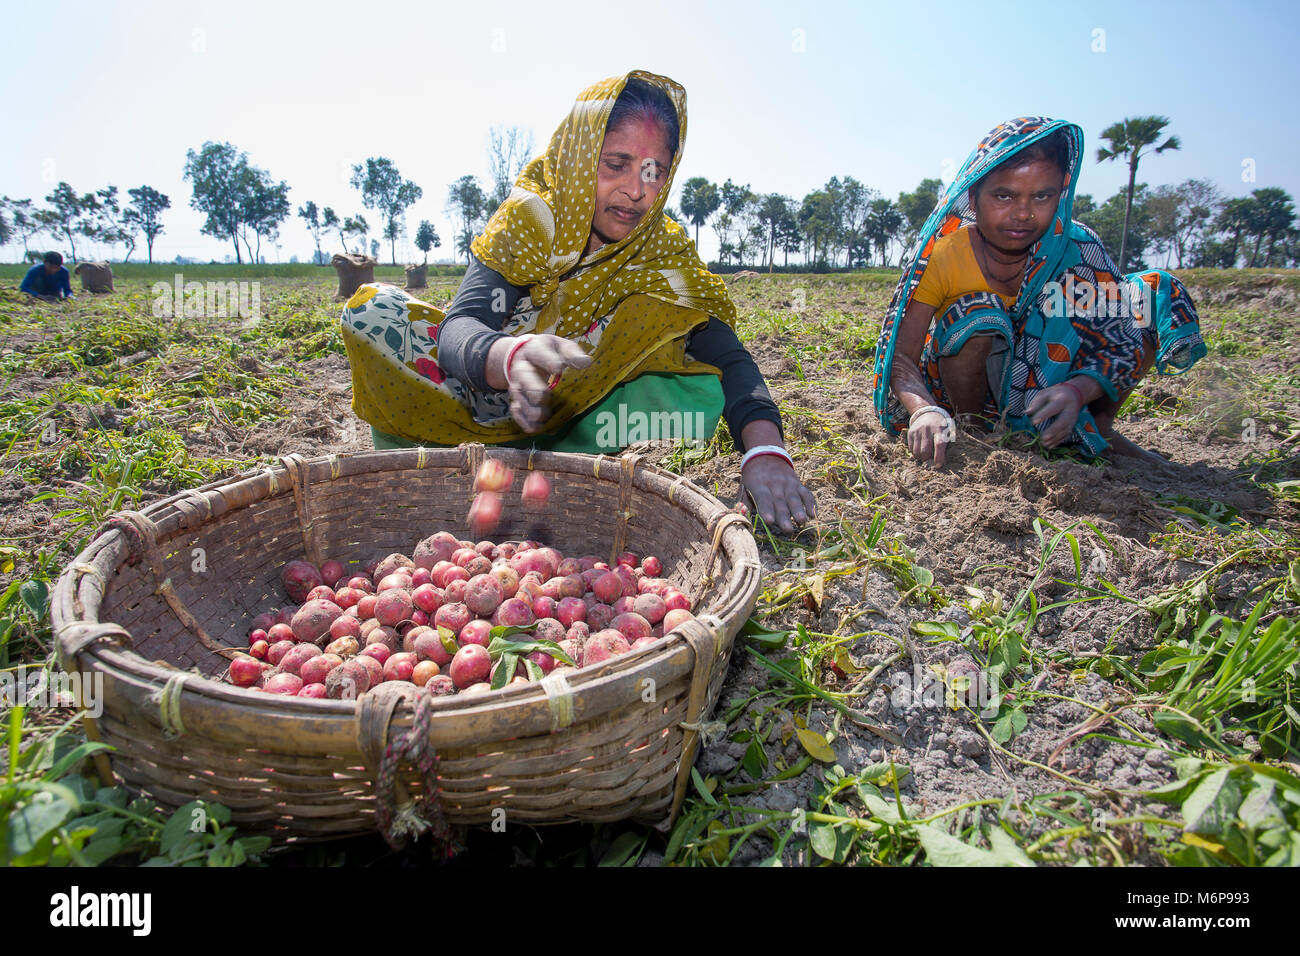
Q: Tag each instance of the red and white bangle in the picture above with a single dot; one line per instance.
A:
(520, 342)
(759, 450)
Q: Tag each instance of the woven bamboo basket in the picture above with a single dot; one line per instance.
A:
(159, 601)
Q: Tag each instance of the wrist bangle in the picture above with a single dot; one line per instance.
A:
(929, 408)
(510, 356)
(759, 450)
(1077, 391)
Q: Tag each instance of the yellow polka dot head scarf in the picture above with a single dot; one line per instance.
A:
(539, 234)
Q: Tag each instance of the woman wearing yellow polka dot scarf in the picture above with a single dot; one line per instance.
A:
(586, 320)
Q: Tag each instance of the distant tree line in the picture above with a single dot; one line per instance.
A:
(843, 224)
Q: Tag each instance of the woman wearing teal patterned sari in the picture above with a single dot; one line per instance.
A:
(1010, 309)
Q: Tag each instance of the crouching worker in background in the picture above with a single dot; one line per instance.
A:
(48, 281)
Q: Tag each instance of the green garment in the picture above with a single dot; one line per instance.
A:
(654, 406)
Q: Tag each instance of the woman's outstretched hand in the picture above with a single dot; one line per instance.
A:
(778, 494)
(533, 368)
(929, 436)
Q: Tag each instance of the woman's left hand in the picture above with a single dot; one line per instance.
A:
(777, 492)
(1060, 402)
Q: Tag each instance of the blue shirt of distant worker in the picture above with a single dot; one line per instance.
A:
(48, 280)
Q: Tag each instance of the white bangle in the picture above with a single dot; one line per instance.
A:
(758, 450)
(929, 408)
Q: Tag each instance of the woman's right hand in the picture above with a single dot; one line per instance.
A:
(929, 435)
(536, 364)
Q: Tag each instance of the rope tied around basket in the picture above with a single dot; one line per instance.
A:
(169, 705)
(300, 479)
(401, 817)
(721, 522)
(629, 465)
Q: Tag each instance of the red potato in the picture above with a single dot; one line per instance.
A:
(419, 618)
(657, 631)
(479, 565)
(246, 671)
(551, 588)
(572, 586)
(477, 631)
(588, 562)
(653, 566)
(530, 589)
(420, 577)
(396, 580)
(599, 616)
(628, 560)
(518, 679)
(312, 690)
(507, 577)
(374, 669)
(263, 622)
(470, 665)
(590, 576)
(422, 672)
(505, 551)
(483, 594)
(578, 630)
(603, 646)
(322, 593)
(259, 650)
(631, 625)
(435, 548)
(549, 629)
(361, 583)
(608, 587)
(624, 605)
(285, 614)
(569, 566)
(651, 607)
(453, 617)
(494, 476)
(348, 597)
(485, 513)
(283, 683)
(393, 606)
(629, 580)
(454, 592)
(345, 646)
(676, 600)
(400, 666)
(482, 687)
(463, 556)
(366, 606)
(410, 638)
(332, 571)
(275, 653)
(513, 613)
(298, 578)
(641, 642)
(384, 635)
(545, 606)
(570, 610)
(378, 651)
(533, 560)
(367, 626)
(573, 647)
(536, 489)
(278, 633)
(313, 620)
(429, 647)
(388, 565)
(257, 634)
(675, 618)
(316, 669)
(427, 598)
(298, 655)
(440, 685)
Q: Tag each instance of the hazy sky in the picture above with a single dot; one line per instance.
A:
(781, 96)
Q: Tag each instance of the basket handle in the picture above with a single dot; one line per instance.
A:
(300, 481)
(629, 465)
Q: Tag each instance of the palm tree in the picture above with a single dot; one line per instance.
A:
(1130, 140)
